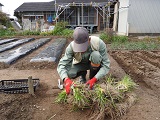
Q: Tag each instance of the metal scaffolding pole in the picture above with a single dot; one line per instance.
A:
(82, 14)
(78, 16)
(59, 7)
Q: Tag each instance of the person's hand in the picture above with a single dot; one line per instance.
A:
(67, 83)
(91, 82)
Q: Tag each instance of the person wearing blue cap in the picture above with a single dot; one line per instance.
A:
(83, 53)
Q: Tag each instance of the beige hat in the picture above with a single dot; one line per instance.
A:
(81, 39)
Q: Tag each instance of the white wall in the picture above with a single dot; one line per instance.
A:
(0, 8)
(144, 16)
(123, 17)
(115, 22)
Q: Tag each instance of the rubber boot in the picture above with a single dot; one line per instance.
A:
(82, 78)
(93, 71)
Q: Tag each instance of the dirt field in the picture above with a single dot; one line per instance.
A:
(142, 66)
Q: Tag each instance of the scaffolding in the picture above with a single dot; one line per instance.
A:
(101, 8)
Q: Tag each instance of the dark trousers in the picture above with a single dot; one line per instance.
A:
(80, 69)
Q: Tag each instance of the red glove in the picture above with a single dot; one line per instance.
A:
(68, 82)
(91, 82)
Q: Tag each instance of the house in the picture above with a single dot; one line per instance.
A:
(31, 13)
(1, 7)
(92, 14)
(125, 17)
(138, 17)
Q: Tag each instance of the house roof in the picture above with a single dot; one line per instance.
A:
(1, 4)
(50, 6)
(36, 6)
(80, 1)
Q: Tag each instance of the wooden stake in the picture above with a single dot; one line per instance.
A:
(30, 85)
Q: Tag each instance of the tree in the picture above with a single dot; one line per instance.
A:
(4, 20)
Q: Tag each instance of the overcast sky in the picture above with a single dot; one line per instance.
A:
(11, 5)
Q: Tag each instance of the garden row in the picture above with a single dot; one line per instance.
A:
(49, 54)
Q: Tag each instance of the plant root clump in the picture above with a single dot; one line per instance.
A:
(110, 99)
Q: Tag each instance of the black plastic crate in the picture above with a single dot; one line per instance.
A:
(17, 85)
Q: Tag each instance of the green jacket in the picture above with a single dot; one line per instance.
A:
(70, 57)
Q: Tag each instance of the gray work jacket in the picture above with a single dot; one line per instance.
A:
(70, 57)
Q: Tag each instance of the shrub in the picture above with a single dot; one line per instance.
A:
(11, 29)
(109, 37)
(67, 33)
(120, 39)
(57, 31)
(60, 26)
(4, 20)
(61, 30)
(105, 37)
(7, 32)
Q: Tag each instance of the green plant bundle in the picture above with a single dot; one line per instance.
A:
(80, 100)
(62, 97)
(109, 79)
(110, 97)
(126, 84)
(109, 87)
(100, 97)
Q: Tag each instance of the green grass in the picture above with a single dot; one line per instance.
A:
(29, 32)
(5, 33)
(119, 39)
(122, 43)
(138, 45)
(59, 30)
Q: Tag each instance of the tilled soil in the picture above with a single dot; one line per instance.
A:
(142, 66)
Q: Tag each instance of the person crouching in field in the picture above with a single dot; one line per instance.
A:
(83, 53)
